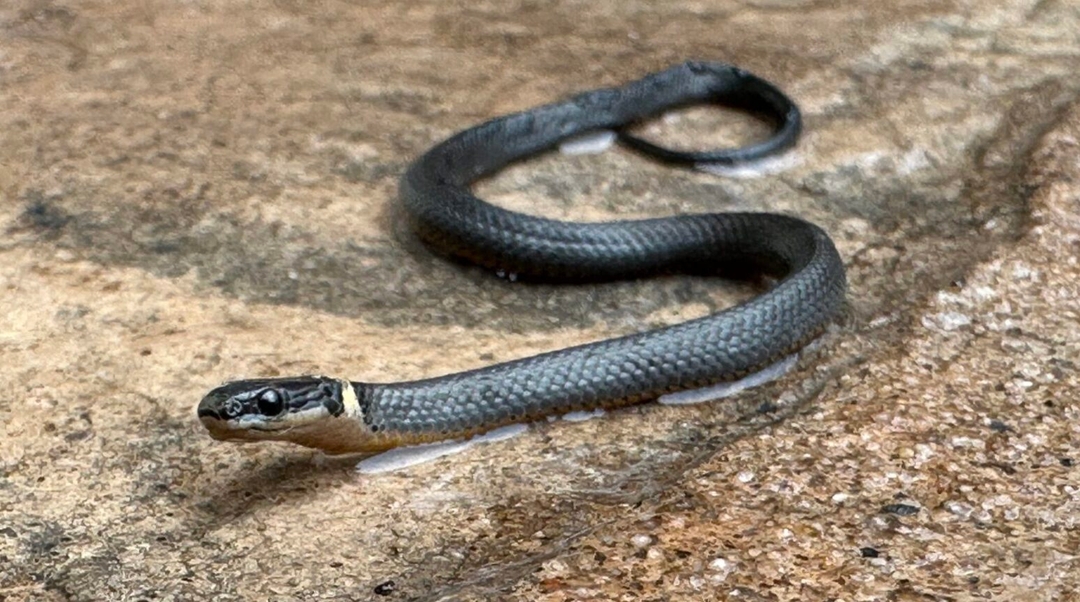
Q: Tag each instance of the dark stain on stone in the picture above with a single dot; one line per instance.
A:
(385, 588)
(767, 407)
(999, 427)
(77, 436)
(1003, 467)
(900, 509)
(43, 216)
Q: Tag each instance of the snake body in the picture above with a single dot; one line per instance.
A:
(339, 416)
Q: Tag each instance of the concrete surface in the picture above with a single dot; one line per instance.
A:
(202, 190)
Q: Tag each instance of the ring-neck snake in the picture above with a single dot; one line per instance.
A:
(340, 416)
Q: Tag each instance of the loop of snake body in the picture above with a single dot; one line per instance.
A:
(341, 416)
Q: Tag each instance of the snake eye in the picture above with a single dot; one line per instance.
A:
(270, 403)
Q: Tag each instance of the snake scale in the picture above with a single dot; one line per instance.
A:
(340, 416)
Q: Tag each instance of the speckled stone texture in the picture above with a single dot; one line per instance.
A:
(198, 191)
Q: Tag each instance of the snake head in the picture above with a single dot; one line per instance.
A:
(270, 408)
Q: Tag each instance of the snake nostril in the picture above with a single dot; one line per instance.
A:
(233, 408)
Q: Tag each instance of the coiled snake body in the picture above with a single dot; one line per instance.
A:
(340, 416)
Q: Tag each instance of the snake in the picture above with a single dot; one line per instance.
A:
(798, 258)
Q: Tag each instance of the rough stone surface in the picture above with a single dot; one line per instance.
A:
(197, 191)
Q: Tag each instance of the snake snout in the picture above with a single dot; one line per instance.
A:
(219, 404)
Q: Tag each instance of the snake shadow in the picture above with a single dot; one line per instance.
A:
(286, 479)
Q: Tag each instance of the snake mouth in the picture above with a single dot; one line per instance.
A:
(230, 430)
(214, 413)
